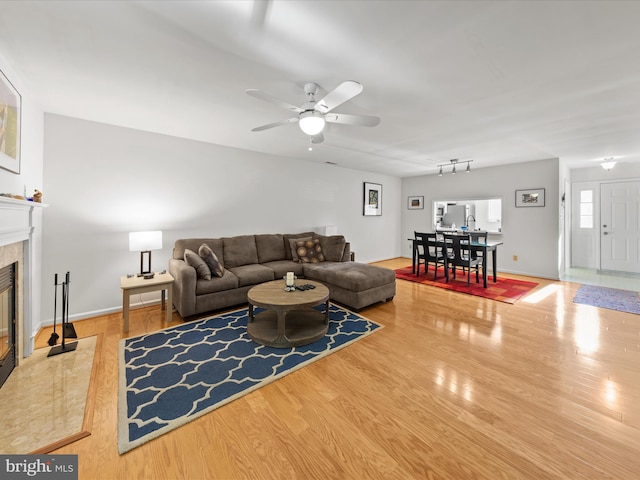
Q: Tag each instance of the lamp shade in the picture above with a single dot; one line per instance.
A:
(311, 122)
(145, 241)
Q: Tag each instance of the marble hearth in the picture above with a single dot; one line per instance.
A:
(17, 232)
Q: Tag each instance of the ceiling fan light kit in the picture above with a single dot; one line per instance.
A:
(312, 116)
(311, 122)
(453, 163)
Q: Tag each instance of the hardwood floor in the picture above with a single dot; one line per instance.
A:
(454, 387)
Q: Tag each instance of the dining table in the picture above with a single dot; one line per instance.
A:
(484, 247)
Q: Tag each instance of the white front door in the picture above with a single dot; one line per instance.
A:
(620, 226)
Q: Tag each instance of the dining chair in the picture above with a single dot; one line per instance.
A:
(460, 256)
(478, 237)
(429, 251)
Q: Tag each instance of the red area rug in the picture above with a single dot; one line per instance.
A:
(506, 290)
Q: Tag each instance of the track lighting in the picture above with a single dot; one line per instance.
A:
(453, 163)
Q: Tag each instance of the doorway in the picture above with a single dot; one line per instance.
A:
(619, 226)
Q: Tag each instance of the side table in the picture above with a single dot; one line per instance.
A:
(134, 285)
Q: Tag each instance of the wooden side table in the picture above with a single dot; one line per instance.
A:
(134, 285)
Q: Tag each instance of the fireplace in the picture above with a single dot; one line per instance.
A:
(20, 230)
(7, 321)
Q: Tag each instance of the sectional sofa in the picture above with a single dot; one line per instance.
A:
(216, 273)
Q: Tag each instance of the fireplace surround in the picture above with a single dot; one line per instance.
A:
(7, 321)
(18, 223)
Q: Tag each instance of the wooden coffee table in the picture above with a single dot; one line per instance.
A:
(288, 319)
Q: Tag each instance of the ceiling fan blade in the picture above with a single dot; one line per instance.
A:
(259, 13)
(271, 99)
(319, 138)
(360, 120)
(275, 124)
(343, 92)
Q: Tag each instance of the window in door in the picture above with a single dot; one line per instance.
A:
(586, 209)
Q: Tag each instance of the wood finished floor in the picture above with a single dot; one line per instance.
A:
(454, 387)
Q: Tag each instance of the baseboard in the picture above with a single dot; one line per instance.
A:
(96, 313)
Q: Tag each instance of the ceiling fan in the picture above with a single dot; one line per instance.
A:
(313, 114)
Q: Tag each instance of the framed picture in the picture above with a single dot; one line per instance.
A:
(530, 198)
(10, 112)
(372, 201)
(415, 203)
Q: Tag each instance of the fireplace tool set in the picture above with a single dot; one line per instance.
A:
(68, 330)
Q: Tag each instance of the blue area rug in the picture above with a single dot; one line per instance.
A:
(611, 298)
(173, 376)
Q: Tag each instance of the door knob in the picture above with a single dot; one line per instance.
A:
(605, 233)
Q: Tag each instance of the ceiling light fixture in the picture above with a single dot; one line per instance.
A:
(453, 163)
(608, 164)
(311, 122)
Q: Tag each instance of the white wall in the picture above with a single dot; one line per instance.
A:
(29, 178)
(533, 234)
(103, 181)
(622, 171)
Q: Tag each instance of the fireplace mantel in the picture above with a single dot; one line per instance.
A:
(16, 219)
(17, 227)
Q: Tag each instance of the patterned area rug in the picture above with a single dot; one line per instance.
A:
(171, 377)
(611, 298)
(506, 290)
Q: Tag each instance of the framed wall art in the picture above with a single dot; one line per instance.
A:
(530, 198)
(415, 203)
(372, 200)
(10, 113)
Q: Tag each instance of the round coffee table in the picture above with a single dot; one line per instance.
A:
(288, 319)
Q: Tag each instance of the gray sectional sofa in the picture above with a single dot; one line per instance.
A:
(247, 260)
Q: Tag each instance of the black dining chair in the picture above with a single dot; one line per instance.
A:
(478, 237)
(459, 256)
(429, 251)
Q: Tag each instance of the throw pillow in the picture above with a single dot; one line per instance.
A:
(332, 247)
(293, 244)
(211, 259)
(309, 251)
(193, 259)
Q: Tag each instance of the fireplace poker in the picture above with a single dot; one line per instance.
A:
(69, 329)
(54, 336)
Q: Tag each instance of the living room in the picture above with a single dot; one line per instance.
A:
(105, 176)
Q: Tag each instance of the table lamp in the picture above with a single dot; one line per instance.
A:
(144, 242)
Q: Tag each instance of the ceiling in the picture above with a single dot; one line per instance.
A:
(497, 82)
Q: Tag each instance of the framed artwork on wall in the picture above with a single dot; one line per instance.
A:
(10, 113)
(372, 200)
(530, 198)
(415, 203)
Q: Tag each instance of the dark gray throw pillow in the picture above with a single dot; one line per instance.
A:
(193, 259)
(211, 259)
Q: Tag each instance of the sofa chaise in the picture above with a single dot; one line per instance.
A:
(215, 273)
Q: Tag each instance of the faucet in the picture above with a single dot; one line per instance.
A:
(470, 217)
